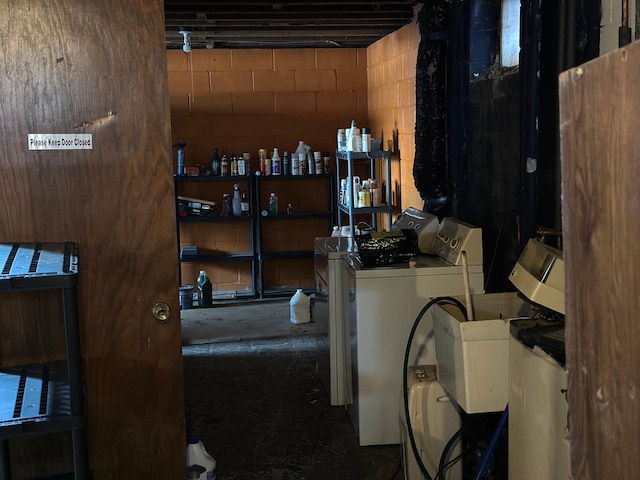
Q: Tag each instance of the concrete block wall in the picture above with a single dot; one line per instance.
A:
(391, 80)
(242, 100)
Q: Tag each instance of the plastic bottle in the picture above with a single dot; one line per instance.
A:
(224, 166)
(302, 158)
(180, 167)
(234, 166)
(354, 144)
(273, 204)
(300, 147)
(226, 205)
(310, 162)
(236, 202)
(244, 203)
(295, 164)
(241, 165)
(326, 161)
(317, 162)
(275, 162)
(299, 307)
(302, 164)
(286, 169)
(342, 140)
(267, 166)
(246, 164)
(262, 156)
(206, 289)
(366, 140)
(215, 162)
(200, 464)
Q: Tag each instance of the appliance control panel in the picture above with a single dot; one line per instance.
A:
(454, 237)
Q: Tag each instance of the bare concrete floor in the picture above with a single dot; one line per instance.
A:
(253, 397)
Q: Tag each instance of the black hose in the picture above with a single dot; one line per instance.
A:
(405, 395)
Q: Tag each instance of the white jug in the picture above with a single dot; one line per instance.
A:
(299, 307)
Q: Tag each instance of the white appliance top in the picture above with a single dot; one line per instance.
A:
(335, 247)
(454, 237)
(420, 265)
(539, 275)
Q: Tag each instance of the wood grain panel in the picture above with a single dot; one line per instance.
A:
(599, 125)
(99, 67)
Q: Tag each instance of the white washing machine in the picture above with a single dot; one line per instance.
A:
(435, 419)
(328, 317)
(381, 305)
(539, 444)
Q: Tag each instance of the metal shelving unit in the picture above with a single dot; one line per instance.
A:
(248, 256)
(349, 208)
(48, 397)
(263, 255)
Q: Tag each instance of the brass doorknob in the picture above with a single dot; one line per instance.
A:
(161, 312)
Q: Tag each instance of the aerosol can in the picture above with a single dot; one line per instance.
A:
(181, 146)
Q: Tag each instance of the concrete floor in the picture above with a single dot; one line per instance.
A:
(237, 322)
(253, 397)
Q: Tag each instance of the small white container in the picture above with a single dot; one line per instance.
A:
(199, 460)
(300, 308)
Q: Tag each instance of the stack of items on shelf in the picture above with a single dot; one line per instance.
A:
(301, 162)
(352, 139)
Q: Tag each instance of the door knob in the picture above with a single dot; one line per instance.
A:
(161, 312)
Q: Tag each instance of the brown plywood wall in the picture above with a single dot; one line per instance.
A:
(599, 127)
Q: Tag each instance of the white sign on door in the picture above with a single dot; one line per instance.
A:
(60, 141)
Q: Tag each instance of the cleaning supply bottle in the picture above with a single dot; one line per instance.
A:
(181, 146)
(215, 163)
(275, 162)
(206, 289)
(200, 464)
(300, 307)
(273, 204)
(236, 202)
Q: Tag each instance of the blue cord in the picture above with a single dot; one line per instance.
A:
(492, 443)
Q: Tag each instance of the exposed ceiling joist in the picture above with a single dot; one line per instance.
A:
(293, 24)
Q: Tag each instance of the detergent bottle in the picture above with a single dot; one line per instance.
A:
(200, 464)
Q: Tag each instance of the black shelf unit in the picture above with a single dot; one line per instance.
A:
(349, 208)
(263, 255)
(48, 397)
(249, 256)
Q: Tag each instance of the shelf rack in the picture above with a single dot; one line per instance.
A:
(263, 255)
(248, 256)
(49, 397)
(350, 158)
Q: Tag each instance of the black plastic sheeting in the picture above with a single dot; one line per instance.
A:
(430, 164)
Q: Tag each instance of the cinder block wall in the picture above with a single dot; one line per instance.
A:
(391, 79)
(242, 100)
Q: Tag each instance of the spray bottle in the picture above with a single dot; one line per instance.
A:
(236, 201)
(181, 146)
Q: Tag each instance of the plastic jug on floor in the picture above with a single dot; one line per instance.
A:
(200, 464)
(299, 307)
(206, 289)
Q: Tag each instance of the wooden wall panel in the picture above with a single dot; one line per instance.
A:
(600, 145)
(99, 67)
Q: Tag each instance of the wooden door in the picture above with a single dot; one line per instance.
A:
(98, 68)
(600, 140)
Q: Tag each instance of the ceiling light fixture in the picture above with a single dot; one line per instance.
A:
(187, 41)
